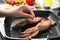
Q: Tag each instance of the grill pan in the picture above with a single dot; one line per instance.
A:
(49, 33)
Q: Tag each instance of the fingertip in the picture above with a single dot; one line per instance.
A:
(32, 13)
(28, 16)
(31, 17)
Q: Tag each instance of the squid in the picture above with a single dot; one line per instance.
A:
(28, 21)
(33, 31)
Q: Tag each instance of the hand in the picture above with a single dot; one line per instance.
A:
(22, 11)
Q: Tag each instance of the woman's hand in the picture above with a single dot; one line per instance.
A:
(22, 11)
(19, 11)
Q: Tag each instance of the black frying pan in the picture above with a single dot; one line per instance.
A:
(51, 32)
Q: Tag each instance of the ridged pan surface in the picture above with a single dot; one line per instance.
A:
(46, 14)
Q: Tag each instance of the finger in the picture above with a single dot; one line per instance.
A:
(26, 15)
(29, 10)
(32, 13)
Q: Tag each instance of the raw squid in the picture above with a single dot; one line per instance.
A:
(33, 31)
(28, 21)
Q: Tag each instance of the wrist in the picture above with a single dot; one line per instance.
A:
(4, 13)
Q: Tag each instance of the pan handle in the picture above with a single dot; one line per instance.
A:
(54, 13)
(15, 38)
(2, 30)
